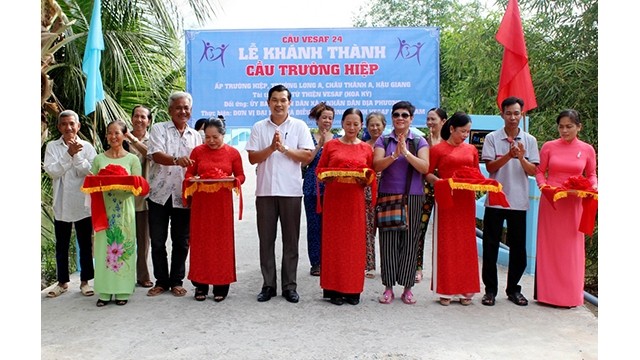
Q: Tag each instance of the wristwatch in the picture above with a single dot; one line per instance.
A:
(175, 160)
(286, 149)
(406, 153)
(393, 156)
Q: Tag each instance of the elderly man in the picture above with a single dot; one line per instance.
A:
(170, 144)
(68, 161)
(139, 142)
(279, 144)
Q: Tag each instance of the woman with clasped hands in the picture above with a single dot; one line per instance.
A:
(216, 171)
(560, 256)
(399, 249)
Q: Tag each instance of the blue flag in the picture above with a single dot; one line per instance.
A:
(91, 61)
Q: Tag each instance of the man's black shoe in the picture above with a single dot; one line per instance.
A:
(266, 294)
(291, 296)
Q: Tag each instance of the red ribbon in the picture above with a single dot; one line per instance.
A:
(110, 178)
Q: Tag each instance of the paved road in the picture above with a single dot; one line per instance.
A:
(166, 327)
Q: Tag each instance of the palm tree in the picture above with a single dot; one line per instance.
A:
(141, 64)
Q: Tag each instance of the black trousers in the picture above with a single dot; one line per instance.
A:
(159, 218)
(84, 230)
(516, 240)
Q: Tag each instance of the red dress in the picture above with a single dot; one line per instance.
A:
(455, 255)
(211, 243)
(343, 245)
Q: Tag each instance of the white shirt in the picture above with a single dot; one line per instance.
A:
(68, 175)
(164, 180)
(279, 175)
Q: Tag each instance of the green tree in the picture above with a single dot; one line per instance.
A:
(142, 63)
(562, 44)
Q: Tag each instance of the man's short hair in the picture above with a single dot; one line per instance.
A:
(69, 113)
(176, 95)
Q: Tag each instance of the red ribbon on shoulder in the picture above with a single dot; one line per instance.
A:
(111, 177)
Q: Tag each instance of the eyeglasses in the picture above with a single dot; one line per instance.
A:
(403, 115)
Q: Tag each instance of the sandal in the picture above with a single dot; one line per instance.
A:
(56, 291)
(489, 299)
(178, 291)
(200, 295)
(407, 297)
(315, 270)
(101, 303)
(445, 301)
(370, 274)
(387, 297)
(465, 301)
(418, 276)
(518, 299)
(121, 302)
(146, 284)
(155, 291)
(86, 290)
(219, 298)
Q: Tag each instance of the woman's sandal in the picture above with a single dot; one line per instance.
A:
(200, 295)
(219, 298)
(465, 301)
(101, 303)
(418, 276)
(407, 297)
(315, 270)
(445, 301)
(370, 274)
(387, 297)
(121, 302)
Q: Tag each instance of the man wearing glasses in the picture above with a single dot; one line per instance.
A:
(511, 156)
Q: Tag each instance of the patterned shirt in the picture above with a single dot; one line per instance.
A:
(166, 180)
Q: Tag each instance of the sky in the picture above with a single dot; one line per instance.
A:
(261, 14)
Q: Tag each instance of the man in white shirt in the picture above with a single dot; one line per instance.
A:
(68, 161)
(170, 144)
(279, 145)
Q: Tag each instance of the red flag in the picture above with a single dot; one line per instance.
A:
(515, 78)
